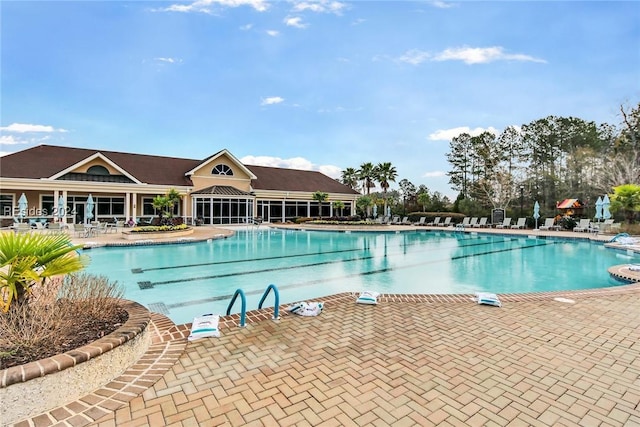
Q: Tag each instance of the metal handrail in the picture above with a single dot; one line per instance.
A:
(276, 293)
(243, 310)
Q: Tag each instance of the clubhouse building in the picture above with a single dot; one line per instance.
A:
(58, 181)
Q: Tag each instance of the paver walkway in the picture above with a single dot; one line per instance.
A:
(540, 363)
(420, 360)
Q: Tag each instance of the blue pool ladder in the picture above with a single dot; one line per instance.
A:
(277, 300)
(243, 308)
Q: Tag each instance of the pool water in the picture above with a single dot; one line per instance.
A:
(187, 280)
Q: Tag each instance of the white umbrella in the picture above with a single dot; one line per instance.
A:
(605, 207)
(22, 206)
(89, 214)
(536, 212)
(62, 208)
(375, 210)
(599, 209)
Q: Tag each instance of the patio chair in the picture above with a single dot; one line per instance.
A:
(21, 227)
(549, 224)
(583, 225)
(405, 221)
(446, 223)
(473, 222)
(465, 222)
(522, 222)
(435, 222)
(482, 223)
(395, 220)
(506, 223)
(80, 230)
(420, 221)
(55, 228)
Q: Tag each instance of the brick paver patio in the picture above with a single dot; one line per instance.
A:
(406, 361)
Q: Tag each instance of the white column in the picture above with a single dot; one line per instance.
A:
(127, 207)
(185, 200)
(134, 203)
(65, 196)
(55, 213)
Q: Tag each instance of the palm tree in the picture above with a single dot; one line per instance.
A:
(367, 174)
(626, 198)
(28, 259)
(321, 197)
(338, 205)
(384, 173)
(350, 178)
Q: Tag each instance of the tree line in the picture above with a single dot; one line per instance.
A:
(546, 160)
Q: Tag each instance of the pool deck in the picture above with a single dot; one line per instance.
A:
(545, 359)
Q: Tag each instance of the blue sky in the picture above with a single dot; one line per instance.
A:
(320, 85)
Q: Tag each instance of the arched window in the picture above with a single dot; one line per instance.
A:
(97, 170)
(221, 170)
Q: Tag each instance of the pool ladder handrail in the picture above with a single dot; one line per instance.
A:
(243, 307)
(276, 305)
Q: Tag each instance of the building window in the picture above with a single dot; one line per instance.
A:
(97, 170)
(221, 170)
(6, 204)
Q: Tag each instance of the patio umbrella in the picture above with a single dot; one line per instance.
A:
(22, 206)
(89, 208)
(375, 210)
(605, 207)
(389, 211)
(62, 209)
(599, 209)
(536, 212)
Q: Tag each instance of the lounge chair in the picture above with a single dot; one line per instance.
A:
(522, 222)
(80, 230)
(583, 225)
(55, 228)
(473, 222)
(420, 221)
(405, 221)
(482, 223)
(446, 223)
(21, 227)
(549, 224)
(465, 222)
(435, 222)
(395, 220)
(505, 224)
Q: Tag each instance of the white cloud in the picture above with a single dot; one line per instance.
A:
(415, 56)
(204, 6)
(24, 128)
(434, 174)
(481, 55)
(295, 22)
(246, 27)
(320, 6)
(273, 33)
(468, 55)
(441, 4)
(299, 163)
(449, 134)
(11, 140)
(168, 60)
(272, 100)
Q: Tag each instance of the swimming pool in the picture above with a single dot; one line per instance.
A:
(186, 280)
